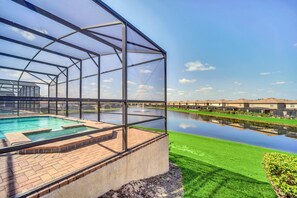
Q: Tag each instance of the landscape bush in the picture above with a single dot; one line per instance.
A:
(281, 170)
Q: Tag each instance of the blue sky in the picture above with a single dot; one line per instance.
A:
(222, 49)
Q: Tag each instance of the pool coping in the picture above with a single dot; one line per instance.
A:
(17, 138)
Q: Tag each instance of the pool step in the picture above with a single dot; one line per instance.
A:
(73, 126)
(16, 138)
(37, 131)
(71, 144)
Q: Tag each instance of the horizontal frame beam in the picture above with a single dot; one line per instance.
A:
(38, 78)
(128, 42)
(103, 25)
(62, 21)
(134, 114)
(88, 76)
(21, 98)
(31, 71)
(133, 65)
(146, 101)
(21, 81)
(119, 17)
(10, 23)
(146, 62)
(37, 47)
(32, 60)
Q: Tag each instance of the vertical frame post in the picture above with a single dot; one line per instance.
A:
(57, 95)
(80, 89)
(34, 102)
(38, 103)
(67, 91)
(124, 87)
(165, 91)
(99, 89)
(48, 95)
(18, 102)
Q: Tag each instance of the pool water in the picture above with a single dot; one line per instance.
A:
(8, 125)
(56, 133)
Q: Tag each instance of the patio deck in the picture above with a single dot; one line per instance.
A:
(21, 173)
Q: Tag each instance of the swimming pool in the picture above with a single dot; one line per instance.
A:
(56, 133)
(8, 125)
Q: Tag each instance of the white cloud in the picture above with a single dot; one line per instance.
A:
(265, 73)
(186, 81)
(279, 83)
(144, 88)
(239, 92)
(268, 73)
(186, 126)
(41, 30)
(25, 34)
(170, 89)
(108, 80)
(204, 89)
(16, 74)
(145, 71)
(181, 93)
(237, 83)
(131, 83)
(105, 87)
(198, 66)
(295, 45)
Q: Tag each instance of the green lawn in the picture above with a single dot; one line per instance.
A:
(219, 168)
(269, 120)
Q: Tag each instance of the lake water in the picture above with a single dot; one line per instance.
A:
(217, 128)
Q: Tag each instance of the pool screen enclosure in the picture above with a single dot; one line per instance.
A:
(81, 57)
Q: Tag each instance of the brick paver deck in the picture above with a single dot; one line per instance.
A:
(20, 173)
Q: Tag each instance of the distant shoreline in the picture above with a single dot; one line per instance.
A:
(250, 118)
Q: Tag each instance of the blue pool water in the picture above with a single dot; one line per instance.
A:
(57, 133)
(9, 125)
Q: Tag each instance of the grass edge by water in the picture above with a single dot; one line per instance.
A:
(248, 118)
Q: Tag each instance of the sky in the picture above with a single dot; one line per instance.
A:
(217, 49)
(223, 49)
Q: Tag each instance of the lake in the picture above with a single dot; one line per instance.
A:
(274, 137)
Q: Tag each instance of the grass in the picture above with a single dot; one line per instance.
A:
(250, 118)
(219, 168)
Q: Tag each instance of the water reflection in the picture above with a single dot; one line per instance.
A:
(261, 127)
(186, 126)
(270, 136)
(275, 137)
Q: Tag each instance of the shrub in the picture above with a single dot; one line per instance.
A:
(281, 170)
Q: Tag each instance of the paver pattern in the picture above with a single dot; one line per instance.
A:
(20, 173)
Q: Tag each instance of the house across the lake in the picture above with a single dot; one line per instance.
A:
(274, 106)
